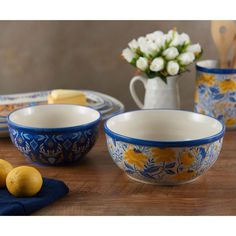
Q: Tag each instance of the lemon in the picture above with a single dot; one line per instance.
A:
(24, 181)
(5, 168)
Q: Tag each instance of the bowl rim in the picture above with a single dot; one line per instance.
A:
(156, 143)
(52, 130)
(214, 70)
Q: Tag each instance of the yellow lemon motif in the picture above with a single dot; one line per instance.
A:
(185, 175)
(227, 85)
(207, 79)
(230, 121)
(220, 107)
(24, 181)
(187, 158)
(135, 158)
(163, 154)
(5, 168)
(200, 110)
(196, 97)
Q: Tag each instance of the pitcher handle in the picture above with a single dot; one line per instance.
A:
(133, 92)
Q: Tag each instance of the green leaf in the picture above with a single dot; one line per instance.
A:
(164, 79)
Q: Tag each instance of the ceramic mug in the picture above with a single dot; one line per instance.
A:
(158, 94)
(215, 93)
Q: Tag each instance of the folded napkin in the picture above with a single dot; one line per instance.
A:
(50, 192)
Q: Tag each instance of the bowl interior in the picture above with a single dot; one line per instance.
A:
(54, 116)
(210, 64)
(164, 125)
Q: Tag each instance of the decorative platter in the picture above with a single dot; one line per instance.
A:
(105, 104)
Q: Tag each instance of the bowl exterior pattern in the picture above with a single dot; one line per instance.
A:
(167, 166)
(54, 148)
(215, 95)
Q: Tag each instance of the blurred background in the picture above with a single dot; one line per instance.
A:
(42, 55)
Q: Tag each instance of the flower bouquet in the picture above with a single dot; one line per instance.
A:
(162, 55)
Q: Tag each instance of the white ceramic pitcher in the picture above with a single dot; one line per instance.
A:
(158, 94)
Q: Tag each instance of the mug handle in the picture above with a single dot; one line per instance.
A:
(133, 92)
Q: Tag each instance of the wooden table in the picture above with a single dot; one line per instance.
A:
(98, 187)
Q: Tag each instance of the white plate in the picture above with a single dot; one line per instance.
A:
(17, 98)
(117, 106)
(106, 110)
(107, 105)
(12, 102)
(95, 101)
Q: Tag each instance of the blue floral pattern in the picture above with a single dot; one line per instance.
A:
(54, 148)
(215, 96)
(168, 166)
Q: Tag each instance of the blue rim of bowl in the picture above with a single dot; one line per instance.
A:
(156, 143)
(214, 70)
(53, 130)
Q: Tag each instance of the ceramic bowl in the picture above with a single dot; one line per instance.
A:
(215, 93)
(54, 134)
(167, 147)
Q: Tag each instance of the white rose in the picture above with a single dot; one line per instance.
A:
(186, 58)
(141, 40)
(148, 47)
(158, 34)
(176, 41)
(144, 48)
(194, 48)
(133, 45)
(142, 63)
(155, 35)
(171, 53)
(158, 38)
(128, 54)
(172, 68)
(184, 38)
(150, 36)
(170, 35)
(157, 64)
(160, 41)
(152, 47)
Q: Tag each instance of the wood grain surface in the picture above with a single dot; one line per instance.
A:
(99, 187)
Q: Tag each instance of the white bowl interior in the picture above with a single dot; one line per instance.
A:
(54, 116)
(164, 125)
(210, 64)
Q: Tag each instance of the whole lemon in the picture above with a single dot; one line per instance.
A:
(24, 181)
(5, 168)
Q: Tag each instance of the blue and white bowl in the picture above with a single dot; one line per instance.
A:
(54, 134)
(167, 147)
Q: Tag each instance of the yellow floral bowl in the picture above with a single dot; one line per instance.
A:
(166, 147)
(215, 93)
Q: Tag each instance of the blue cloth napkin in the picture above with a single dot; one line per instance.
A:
(50, 192)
